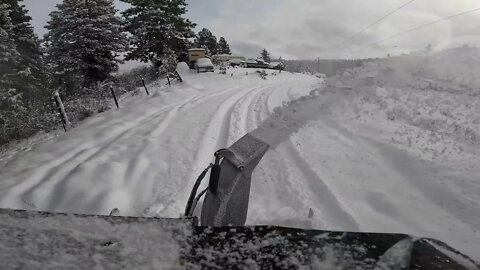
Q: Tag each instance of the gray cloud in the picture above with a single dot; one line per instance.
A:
(304, 51)
(312, 28)
(246, 48)
(39, 10)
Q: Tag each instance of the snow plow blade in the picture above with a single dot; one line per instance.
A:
(41, 240)
(226, 201)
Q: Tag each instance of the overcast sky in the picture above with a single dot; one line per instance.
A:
(309, 29)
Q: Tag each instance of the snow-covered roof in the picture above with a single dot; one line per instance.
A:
(204, 62)
(235, 61)
(259, 60)
(275, 64)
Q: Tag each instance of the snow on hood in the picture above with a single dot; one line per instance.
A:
(67, 241)
(204, 62)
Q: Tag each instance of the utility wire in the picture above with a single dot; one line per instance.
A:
(377, 21)
(424, 25)
(416, 28)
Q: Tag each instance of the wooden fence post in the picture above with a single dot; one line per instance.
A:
(144, 85)
(114, 97)
(178, 76)
(61, 110)
(168, 79)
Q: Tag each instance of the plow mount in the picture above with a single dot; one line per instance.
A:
(226, 201)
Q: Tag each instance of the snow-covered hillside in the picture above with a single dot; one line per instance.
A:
(391, 149)
(382, 148)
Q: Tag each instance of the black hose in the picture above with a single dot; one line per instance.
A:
(188, 209)
(195, 201)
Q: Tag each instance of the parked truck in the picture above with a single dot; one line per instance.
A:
(194, 55)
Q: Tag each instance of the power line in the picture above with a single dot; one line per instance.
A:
(416, 28)
(378, 21)
(424, 25)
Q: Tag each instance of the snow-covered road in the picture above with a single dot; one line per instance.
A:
(145, 157)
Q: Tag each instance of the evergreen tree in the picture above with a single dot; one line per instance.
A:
(11, 106)
(205, 39)
(265, 55)
(158, 30)
(30, 80)
(223, 47)
(83, 42)
(8, 53)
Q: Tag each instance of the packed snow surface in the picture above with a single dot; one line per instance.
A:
(36, 240)
(362, 152)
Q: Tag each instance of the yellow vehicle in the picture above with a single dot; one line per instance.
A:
(194, 55)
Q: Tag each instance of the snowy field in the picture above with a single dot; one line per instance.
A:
(363, 152)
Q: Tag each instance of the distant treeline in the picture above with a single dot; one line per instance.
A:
(328, 67)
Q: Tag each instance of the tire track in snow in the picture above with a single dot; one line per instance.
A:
(140, 165)
(419, 174)
(192, 100)
(215, 135)
(322, 195)
(79, 153)
(159, 197)
(275, 197)
(239, 116)
(330, 210)
(272, 173)
(259, 110)
(58, 177)
(137, 164)
(218, 128)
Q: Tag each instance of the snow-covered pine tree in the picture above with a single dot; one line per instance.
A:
(31, 78)
(205, 39)
(169, 63)
(157, 29)
(12, 109)
(62, 49)
(8, 53)
(83, 42)
(223, 47)
(265, 55)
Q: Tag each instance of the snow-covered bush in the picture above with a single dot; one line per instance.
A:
(430, 124)
(84, 107)
(397, 113)
(168, 63)
(14, 121)
(130, 81)
(465, 134)
(431, 95)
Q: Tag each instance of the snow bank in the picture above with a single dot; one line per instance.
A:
(182, 67)
(291, 117)
(392, 146)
